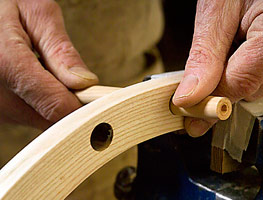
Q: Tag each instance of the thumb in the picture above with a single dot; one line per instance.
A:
(216, 24)
(55, 48)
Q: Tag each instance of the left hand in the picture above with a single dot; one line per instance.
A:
(31, 93)
(226, 57)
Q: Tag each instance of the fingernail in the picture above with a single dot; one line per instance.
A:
(186, 87)
(84, 73)
(198, 127)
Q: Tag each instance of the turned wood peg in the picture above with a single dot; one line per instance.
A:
(210, 107)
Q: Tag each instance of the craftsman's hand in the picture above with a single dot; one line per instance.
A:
(29, 93)
(226, 57)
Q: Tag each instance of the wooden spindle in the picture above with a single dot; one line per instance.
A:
(210, 107)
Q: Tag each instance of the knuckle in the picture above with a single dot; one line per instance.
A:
(14, 73)
(14, 38)
(13, 34)
(4, 63)
(48, 18)
(245, 84)
(201, 55)
(198, 56)
(14, 42)
(63, 47)
(53, 5)
(11, 76)
(49, 11)
(53, 8)
(253, 52)
(18, 82)
(55, 108)
(48, 6)
(251, 98)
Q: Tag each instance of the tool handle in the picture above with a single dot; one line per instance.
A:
(210, 107)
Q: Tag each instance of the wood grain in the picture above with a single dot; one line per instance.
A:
(61, 158)
(56, 162)
(210, 107)
(94, 92)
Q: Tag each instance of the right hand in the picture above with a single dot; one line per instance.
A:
(29, 93)
(226, 56)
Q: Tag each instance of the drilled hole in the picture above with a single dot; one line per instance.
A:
(224, 108)
(101, 137)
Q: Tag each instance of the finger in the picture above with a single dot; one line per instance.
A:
(15, 110)
(197, 127)
(216, 24)
(243, 76)
(21, 72)
(37, 87)
(48, 34)
(255, 96)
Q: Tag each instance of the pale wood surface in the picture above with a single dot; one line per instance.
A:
(62, 157)
(99, 186)
(210, 107)
(95, 92)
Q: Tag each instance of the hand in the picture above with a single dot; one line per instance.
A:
(31, 94)
(226, 57)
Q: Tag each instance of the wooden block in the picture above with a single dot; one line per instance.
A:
(221, 161)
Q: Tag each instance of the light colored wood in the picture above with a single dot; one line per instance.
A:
(94, 92)
(56, 162)
(210, 107)
(62, 157)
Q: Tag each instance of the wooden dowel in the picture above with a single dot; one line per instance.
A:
(210, 107)
(94, 92)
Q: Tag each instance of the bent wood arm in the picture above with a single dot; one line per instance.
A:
(210, 107)
(56, 162)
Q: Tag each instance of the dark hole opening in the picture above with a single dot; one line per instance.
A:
(101, 136)
(224, 108)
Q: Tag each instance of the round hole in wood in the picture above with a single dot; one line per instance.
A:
(101, 136)
(224, 108)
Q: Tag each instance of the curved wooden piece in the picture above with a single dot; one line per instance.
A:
(56, 162)
(210, 107)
